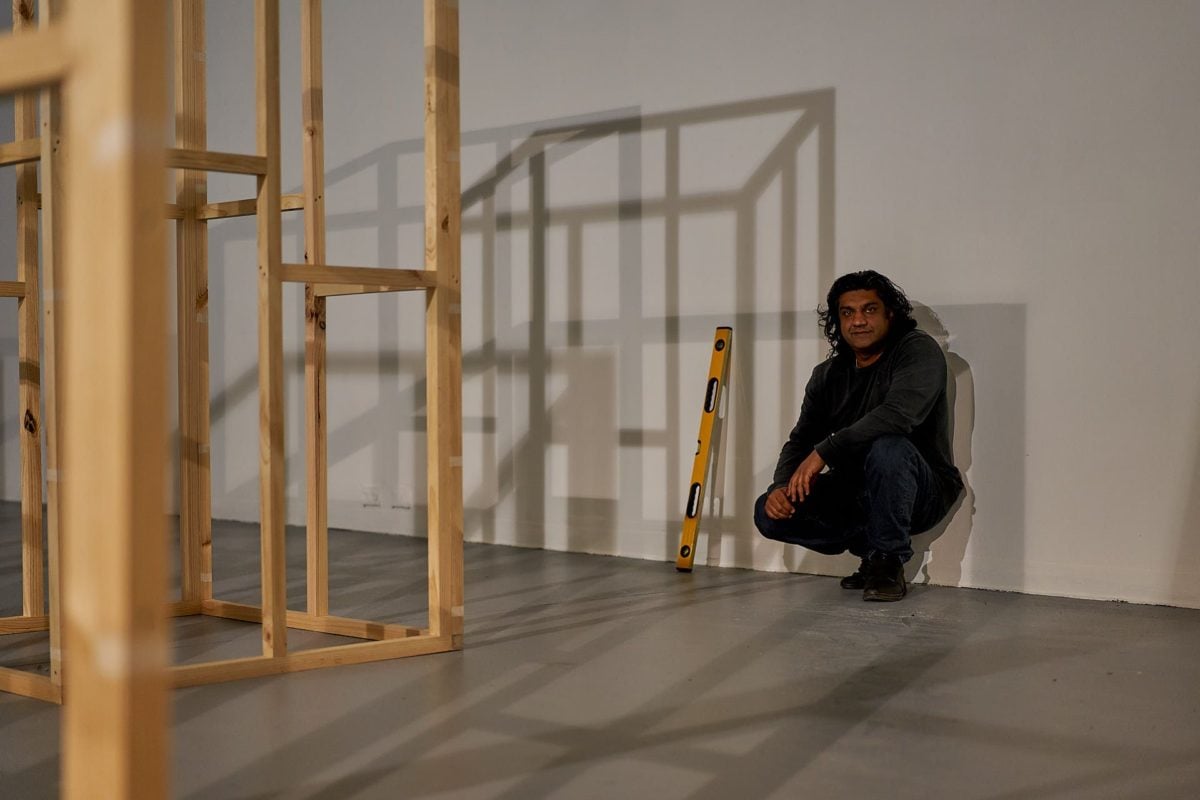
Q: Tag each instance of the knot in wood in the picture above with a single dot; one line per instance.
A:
(30, 421)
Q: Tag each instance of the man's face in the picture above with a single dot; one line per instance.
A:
(864, 320)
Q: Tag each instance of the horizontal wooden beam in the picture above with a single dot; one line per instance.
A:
(12, 288)
(184, 608)
(246, 208)
(329, 281)
(300, 620)
(234, 208)
(212, 161)
(340, 655)
(32, 59)
(23, 624)
(29, 684)
(22, 152)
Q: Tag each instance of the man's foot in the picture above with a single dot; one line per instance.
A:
(885, 579)
(858, 580)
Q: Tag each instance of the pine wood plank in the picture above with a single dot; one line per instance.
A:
(24, 624)
(396, 279)
(272, 458)
(213, 161)
(316, 434)
(32, 60)
(245, 208)
(115, 736)
(29, 684)
(259, 666)
(29, 393)
(301, 620)
(191, 261)
(22, 151)
(443, 330)
(50, 201)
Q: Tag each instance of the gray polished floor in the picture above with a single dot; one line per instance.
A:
(594, 677)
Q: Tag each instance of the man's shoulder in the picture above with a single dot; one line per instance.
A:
(918, 343)
(821, 371)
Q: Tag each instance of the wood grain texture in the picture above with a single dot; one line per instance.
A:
(341, 655)
(22, 151)
(50, 202)
(32, 60)
(211, 161)
(272, 458)
(191, 317)
(113, 397)
(316, 431)
(29, 394)
(443, 330)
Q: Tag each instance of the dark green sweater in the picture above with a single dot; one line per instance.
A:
(846, 408)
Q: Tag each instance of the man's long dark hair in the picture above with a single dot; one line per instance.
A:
(893, 300)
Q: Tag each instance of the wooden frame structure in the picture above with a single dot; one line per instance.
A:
(114, 732)
(32, 145)
(439, 278)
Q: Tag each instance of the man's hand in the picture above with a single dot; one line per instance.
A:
(801, 484)
(778, 506)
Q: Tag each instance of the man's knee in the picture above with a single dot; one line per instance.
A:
(889, 454)
(766, 526)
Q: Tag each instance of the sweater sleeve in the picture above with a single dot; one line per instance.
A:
(917, 380)
(809, 429)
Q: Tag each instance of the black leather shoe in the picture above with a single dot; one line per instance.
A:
(885, 579)
(858, 580)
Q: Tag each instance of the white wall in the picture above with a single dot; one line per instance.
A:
(636, 173)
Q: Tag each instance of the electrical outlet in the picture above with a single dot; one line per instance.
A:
(404, 496)
(370, 497)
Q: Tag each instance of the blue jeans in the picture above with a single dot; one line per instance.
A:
(872, 512)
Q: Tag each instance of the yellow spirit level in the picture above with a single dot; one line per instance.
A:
(718, 374)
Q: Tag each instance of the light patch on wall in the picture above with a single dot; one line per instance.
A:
(582, 457)
(708, 248)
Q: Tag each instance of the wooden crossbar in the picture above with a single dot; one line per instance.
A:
(212, 161)
(329, 280)
(29, 684)
(339, 655)
(33, 59)
(246, 208)
(12, 288)
(300, 620)
(24, 624)
(20, 152)
(233, 208)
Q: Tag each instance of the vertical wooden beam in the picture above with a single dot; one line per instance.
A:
(316, 432)
(53, 196)
(113, 397)
(191, 260)
(33, 555)
(270, 333)
(443, 318)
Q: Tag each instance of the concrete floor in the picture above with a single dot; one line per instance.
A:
(594, 677)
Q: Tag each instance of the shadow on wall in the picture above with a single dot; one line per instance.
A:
(599, 255)
(938, 553)
(1186, 586)
(981, 542)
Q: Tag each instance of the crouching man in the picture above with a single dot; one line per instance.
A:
(868, 463)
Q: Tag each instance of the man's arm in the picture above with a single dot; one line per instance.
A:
(809, 430)
(918, 378)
